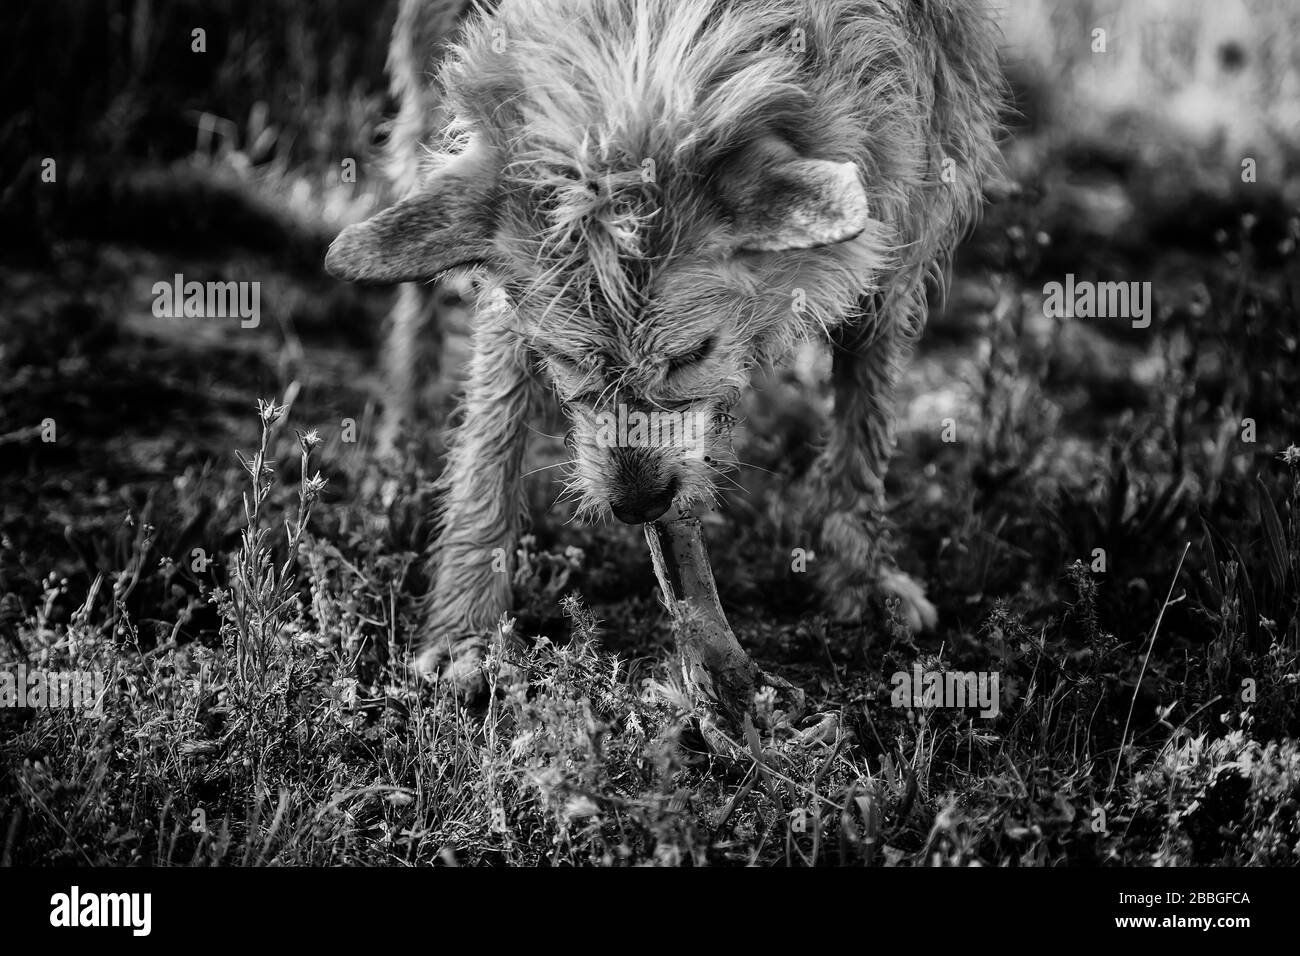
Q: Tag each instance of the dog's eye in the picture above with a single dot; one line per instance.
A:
(698, 354)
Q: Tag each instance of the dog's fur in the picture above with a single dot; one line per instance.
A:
(414, 338)
(659, 196)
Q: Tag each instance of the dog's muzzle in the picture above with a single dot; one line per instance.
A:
(639, 505)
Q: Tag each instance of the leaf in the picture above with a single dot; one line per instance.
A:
(1212, 563)
(1274, 536)
(1247, 591)
(1161, 516)
(756, 750)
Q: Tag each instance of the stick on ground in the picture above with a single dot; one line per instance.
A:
(719, 674)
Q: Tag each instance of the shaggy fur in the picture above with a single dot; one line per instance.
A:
(660, 196)
(421, 34)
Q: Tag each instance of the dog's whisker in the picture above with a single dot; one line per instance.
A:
(529, 474)
(541, 434)
(749, 464)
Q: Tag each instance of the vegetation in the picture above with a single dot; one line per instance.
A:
(1114, 531)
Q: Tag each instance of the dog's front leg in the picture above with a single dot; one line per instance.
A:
(414, 340)
(481, 503)
(848, 496)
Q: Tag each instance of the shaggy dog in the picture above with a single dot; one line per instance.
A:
(657, 197)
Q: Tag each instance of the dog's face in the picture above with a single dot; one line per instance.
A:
(648, 391)
(647, 276)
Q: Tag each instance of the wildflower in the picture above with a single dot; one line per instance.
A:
(313, 486)
(269, 412)
(256, 466)
(1291, 456)
(308, 440)
(345, 691)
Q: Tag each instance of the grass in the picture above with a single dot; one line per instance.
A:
(1105, 534)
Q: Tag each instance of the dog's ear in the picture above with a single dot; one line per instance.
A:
(447, 223)
(778, 200)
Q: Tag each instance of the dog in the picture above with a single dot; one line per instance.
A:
(414, 337)
(655, 198)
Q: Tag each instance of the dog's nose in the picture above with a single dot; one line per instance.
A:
(639, 506)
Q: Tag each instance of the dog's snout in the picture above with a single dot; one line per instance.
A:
(640, 505)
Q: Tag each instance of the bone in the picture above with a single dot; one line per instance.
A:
(719, 675)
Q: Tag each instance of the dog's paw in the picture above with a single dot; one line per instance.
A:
(854, 601)
(916, 611)
(456, 663)
(857, 574)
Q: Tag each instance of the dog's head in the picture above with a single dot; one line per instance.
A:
(664, 206)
